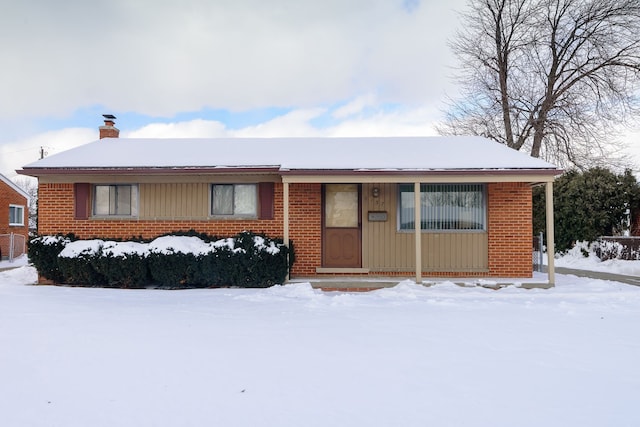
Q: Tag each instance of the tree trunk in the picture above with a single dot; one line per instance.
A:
(538, 136)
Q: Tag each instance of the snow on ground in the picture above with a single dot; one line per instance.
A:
(295, 356)
(16, 262)
(576, 260)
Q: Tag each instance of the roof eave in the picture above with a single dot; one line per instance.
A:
(413, 172)
(32, 171)
(147, 170)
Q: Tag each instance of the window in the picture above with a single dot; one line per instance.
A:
(444, 207)
(234, 200)
(16, 215)
(115, 200)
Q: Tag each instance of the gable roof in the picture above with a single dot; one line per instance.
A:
(14, 187)
(371, 154)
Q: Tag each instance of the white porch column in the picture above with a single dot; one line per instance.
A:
(418, 230)
(550, 233)
(285, 215)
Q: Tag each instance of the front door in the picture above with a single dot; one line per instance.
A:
(341, 246)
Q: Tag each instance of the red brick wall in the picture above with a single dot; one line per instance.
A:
(509, 226)
(56, 215)
(510, 229)
(305, 229)
(9, 196)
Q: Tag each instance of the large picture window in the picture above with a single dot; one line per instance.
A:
(115, 200)
(239, 200)
(444, 207)
(16, 215)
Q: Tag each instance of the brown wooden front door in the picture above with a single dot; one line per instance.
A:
(341, 231)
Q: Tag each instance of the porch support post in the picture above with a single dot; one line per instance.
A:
(418, 230)
(285, 216)
(550, 233)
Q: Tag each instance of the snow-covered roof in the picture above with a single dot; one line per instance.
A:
(291, 154)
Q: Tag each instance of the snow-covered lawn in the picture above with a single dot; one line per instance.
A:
(294, 356)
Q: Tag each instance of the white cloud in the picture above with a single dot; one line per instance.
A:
(189, 129)
(16, 154)
(159, 58)
(294, 123)
(412, 122)
(355, 106)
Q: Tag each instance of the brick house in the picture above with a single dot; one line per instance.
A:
(14, 217)
(347, 204)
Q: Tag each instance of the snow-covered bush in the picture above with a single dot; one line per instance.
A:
(606, 248)
(77, 262)
(626, 248)
(43, 253)
(123, 264)
(247, 260)
(259, 261)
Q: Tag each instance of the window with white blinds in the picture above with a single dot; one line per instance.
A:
(445, 207)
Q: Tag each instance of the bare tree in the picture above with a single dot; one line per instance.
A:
(558, 78)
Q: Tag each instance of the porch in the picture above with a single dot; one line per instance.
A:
(386, 249)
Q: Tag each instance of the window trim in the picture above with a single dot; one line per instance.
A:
(135, 200)
(256, 204)
(22, 210)
(485, 209)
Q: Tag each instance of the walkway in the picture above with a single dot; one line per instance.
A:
(630, 280)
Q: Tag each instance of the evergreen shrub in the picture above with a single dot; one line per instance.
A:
(587, 205)
(127, 271)
(43, 254)
(172, 270)
(77, 262)
(246, 260)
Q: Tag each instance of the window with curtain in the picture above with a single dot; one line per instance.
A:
(115, 200)
(444, 207)
(234, 200)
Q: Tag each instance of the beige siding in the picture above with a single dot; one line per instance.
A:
(387, 249)
(455, 251)
(174, 201)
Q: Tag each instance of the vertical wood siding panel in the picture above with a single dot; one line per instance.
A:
(175, 196)
(455, 251)
(174, 201)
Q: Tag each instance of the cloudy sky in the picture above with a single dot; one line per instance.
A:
(208, 68)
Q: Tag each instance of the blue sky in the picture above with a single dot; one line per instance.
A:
(92, 115)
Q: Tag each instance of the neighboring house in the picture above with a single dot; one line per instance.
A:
(14, 218)
(347, 204)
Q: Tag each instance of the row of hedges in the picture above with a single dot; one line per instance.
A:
(245, 260)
